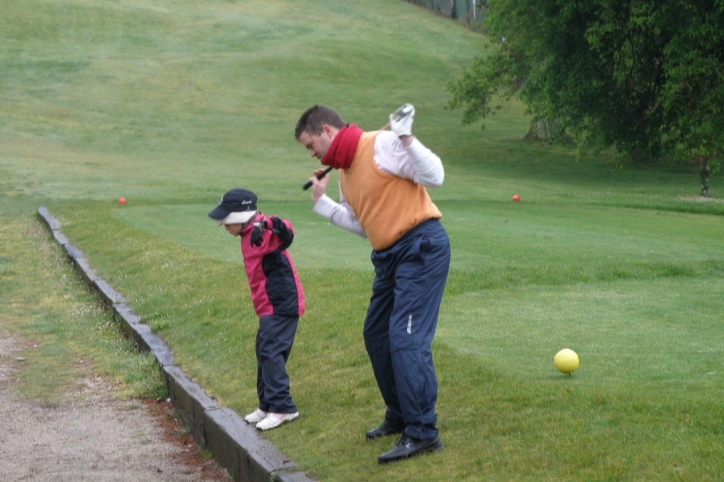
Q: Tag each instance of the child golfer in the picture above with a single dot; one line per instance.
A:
(277, 295)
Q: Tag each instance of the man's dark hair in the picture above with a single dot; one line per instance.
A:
(314, 118)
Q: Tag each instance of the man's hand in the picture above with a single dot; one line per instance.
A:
(401, 120)
(319, 186)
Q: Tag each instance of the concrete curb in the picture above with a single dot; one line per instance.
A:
(237, 446)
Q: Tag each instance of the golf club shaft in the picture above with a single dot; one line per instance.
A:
(319, 176)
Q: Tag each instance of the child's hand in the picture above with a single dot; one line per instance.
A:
(256, 233)
(280, 228)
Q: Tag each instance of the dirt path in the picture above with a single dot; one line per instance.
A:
(92, 436)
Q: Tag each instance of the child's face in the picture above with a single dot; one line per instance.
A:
(234, 229)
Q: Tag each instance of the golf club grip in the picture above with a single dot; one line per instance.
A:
(319, 176)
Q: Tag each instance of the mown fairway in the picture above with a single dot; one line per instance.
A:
(171, 103)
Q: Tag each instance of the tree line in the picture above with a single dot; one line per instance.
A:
(645, 78)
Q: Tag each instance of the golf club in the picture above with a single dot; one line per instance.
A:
(319, 176)
(400, 113)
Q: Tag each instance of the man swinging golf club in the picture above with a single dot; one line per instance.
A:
(382, 179)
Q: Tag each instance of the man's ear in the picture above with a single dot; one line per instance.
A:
(329, 130)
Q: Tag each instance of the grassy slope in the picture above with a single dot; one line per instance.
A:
(171, 103)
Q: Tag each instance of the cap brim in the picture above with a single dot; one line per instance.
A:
(218, 214)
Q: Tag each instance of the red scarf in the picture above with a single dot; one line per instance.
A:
(341, 150)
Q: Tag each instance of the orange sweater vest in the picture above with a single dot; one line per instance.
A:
(387, 206)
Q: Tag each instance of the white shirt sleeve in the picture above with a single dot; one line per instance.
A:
(415, 162)
(339, 213)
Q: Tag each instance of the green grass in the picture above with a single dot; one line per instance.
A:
(171, 103)
(58, 325)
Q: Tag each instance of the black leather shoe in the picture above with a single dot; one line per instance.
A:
(387, 428)
(408, 447)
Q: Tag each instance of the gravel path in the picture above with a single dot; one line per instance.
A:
(90, 435)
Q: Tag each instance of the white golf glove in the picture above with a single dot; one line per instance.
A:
(401, 120)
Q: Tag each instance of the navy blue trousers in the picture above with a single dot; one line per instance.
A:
(401, 320)
(273, 345)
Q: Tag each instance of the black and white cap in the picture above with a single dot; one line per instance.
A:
(237, 206)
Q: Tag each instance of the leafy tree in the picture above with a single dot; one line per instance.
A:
(644, 77)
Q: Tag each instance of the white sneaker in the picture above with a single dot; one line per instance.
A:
(273, 420)
(256, 416)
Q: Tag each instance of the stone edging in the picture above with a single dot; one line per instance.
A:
(236, 445)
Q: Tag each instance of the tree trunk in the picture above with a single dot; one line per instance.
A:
(705, 172)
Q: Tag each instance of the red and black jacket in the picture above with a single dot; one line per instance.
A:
(273, 280)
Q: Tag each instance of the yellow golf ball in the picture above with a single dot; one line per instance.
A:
(566, 360)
